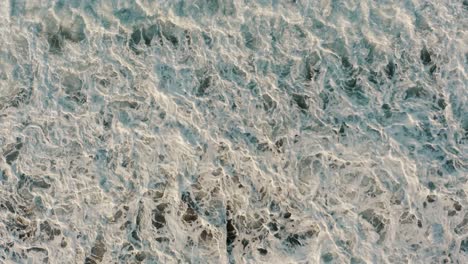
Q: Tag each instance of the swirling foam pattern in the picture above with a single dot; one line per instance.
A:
(233, 131)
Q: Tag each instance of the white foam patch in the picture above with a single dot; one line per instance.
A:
(233, 131)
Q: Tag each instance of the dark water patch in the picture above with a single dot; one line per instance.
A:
(23, 186)
(7, 205)
(250, 40)
(346, 64)
(407, 218)
(63, 243)
(76, 32)
(313, 232)
(351, 85)
(145, 35)
(71, 83)
(293, 241)
(188, 39)
(22, 97)
(11, 157)
(377, 221)
(140, 256)
(273, 226)
(279, 144)
(40, 183)
(327, 257)
(162, 239)
(135, 39)
(433, 69)
(449, 166)
(158, 217)
(274, 207)
(170, 31)
(425, 56)
(262, 251)
(231, 232)
(251, 138)
(353, 89)
(343, 128)
(56, 42)
(375, 77)
(464, 242)
(431, 198)
(187, 198)
(263, 147)
(190, 215)
(253, 87)
(97, 251)
(12, 154)
(135, 238)
(431, 186)
(78, 98)
(245, 243)
(107, 120)
(325, 99)
(415, 92)
(312, 66)
(390, 69)
(21, 228)
(138, 221)
(49, 231)
(162, 115)
(301, 101)
(203, 86)
(117, 215)
(441, 103)
(309, 72)
(232, 72)
(206, 235)
(125, 104)
(150, 33)
(387, 110)
(348, 67)
(89, 260)
(207, 40)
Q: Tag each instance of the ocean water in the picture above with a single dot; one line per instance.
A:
(233, 131)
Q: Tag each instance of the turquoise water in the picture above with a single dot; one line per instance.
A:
(221, 131)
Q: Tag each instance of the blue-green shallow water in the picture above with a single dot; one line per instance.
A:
(221, 131)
